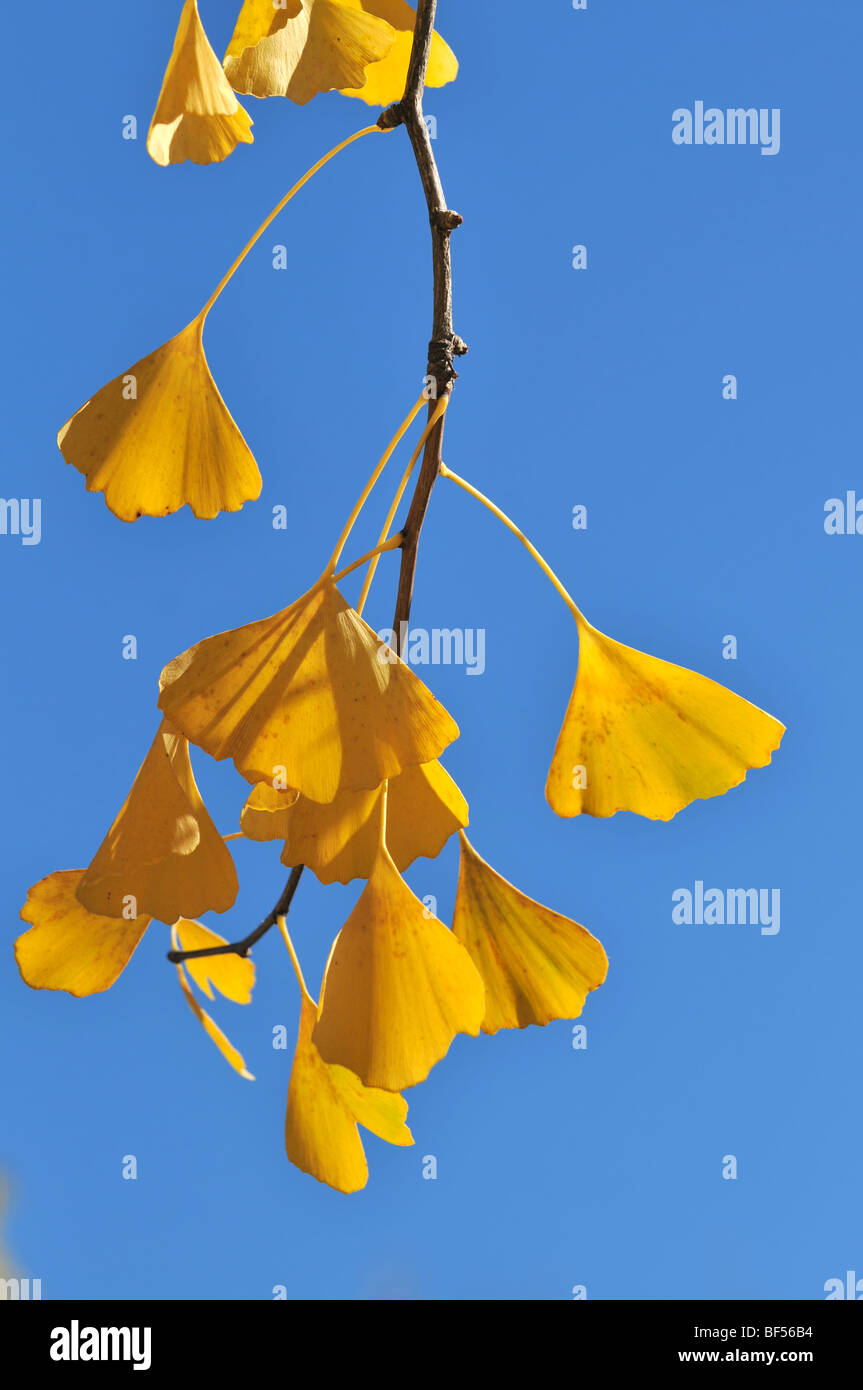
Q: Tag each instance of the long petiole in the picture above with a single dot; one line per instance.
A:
(282, 924)
(511, 526)
(378, 470)
(392, 544)
(436, 415)
(366, 130)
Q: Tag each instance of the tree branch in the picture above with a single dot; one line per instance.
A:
(443, 347)
(242, 948)
(444, 344)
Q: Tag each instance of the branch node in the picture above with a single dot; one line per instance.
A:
(446, 220)
(440, 361)
(393, 116)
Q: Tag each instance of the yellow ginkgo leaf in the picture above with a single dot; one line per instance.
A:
(197, 116)
(643, 735)
(310, 696)
(214, 1033)
(338, 842)
(163, 854)
(232, 975)
(266, 814)
(68, 947)
(385, 80)
(398, 987)
(325, 1105)
(160, 437)
(536, 965)
(310, 46)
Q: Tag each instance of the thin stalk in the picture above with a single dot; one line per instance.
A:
(392, 544)
(441, 407)
(282, 924)
(376, 473)
(511, 526)
(310, 173)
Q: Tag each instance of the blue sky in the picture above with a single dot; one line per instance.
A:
(601, 387)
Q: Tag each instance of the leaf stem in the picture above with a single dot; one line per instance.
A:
(502, 516)
(376, 473)
(441, 407)
(392, 544)
(282, 924)
(366, 130)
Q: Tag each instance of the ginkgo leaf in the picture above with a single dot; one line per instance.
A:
(644, 735)
(68, 947)
(309, 695)
(310, 46)
(385, 80)
(266, 814)
(536, 965)
(232, 975)
(398, 987)
(325, 1105)
(197, 116)
(338, 842)
(160, 437)
(163, 851)
(232, 1056)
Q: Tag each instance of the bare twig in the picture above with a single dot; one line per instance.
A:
(242, 948)
(443, 347)
(444, 344)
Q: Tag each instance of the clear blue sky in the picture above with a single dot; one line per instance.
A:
(603, 387)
